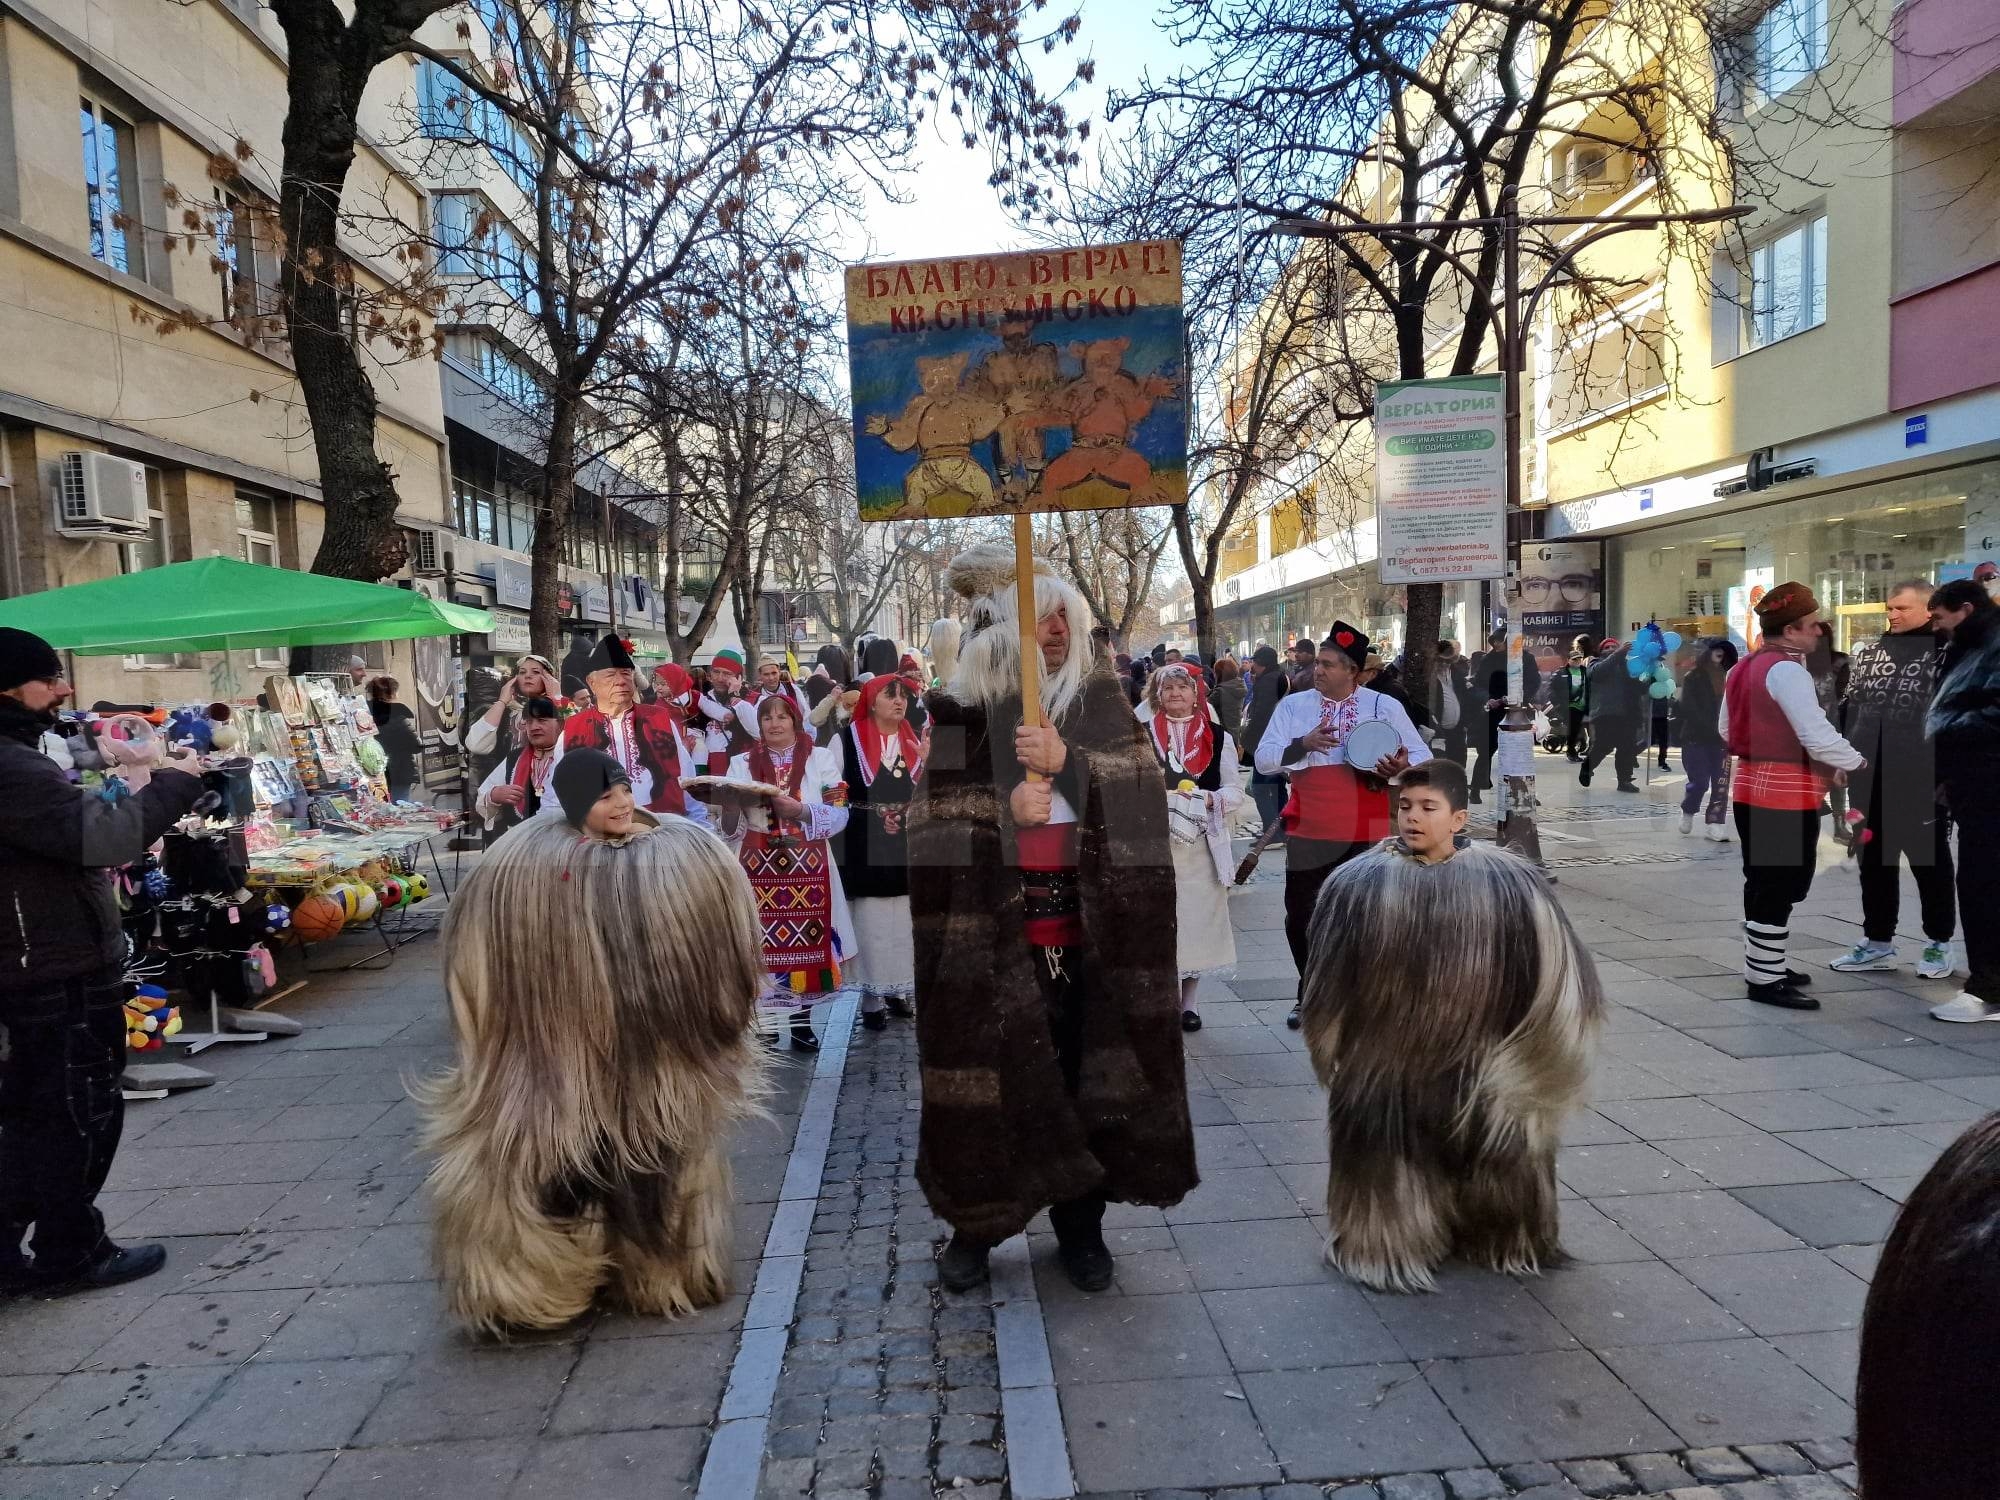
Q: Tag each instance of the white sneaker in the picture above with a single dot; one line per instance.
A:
(1937, 962)
(1718, 833)
(1865, 958)
(1687, 823)
(1967, 1008)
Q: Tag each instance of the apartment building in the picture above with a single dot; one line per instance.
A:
(138, 150)
(1813, 395)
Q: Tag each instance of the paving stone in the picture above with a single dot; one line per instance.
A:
(964, 1461)
(1814, 1487)
(281, 1476)
(1599, 1477)
(1657, 1473)
(1776, 1458)
(456, 1392)
(1475, 1484)
(1411, 1487)
(1353, 1492)
(101, 1416)
(288, 1407)
(1522, 1407)
(1527, 1476)
(1718, 1465)
(1359, 1420)
(1828, 1453)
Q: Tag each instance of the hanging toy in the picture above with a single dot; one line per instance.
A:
(149, 1019)
(132, 747)
(191, 726)
(221, 732)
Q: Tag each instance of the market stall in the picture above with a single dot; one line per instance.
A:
(302, 843)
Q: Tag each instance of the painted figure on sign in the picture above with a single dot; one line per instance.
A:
(1021, 375)
(942, 424)
(1103, 408)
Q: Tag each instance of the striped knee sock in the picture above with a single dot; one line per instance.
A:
(1764, 952)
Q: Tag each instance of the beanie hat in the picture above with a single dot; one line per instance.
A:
(727, 661)
(25, 657)
(581, 777)
(1785, 604)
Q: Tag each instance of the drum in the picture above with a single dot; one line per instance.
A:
(1370, 741)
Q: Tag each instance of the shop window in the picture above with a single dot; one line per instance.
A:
(1782, 287)
(111, 187)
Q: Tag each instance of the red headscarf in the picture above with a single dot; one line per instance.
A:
(1200, 748)
(675, 688)
(868, 739)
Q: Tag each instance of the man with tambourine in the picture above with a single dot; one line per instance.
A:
(1339, 745)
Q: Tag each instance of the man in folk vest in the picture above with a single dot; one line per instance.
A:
(1336, 810)
(1787, 755)
(644, 738)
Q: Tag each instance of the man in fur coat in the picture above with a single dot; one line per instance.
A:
(1048, 999)
(1450, 1011)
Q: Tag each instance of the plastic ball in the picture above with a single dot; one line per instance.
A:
(390, 893)
(277, 916)
(366, 903)
(419, 886)
(318, 917)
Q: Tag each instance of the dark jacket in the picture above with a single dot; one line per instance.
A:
(58, 846)
(1701, 694)
(1964, 719)
(1614, 692)
(396, 732)
(1890, 684)
(1264, 695)
(1229, 698)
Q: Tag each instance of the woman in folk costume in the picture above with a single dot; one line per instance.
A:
(882, 760)
(783, 845)
(581, 1136)
(1203, 788)
(1450, 1011)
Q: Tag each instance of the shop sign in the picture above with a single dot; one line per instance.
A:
(513, 584)
(1562, 597)
(596, 603)
(510, 633)
(1441, 479)
(1916, 431)
(565, 598)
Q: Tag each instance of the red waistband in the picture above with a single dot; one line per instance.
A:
(1052, 846)
(1333, 803)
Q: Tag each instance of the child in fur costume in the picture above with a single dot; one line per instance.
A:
(1449, 1063)
(580, 1139)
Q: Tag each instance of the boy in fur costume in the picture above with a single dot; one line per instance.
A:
(1450, 1063)
(1047, 1014)
(603, 970)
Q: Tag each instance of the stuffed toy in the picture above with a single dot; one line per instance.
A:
(131, 747)
(222, 732)
(149, 1019)
(191, 725)
(83, 752)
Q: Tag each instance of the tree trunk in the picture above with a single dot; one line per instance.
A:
(1200, 581)
(551, 531)
(1423, 609)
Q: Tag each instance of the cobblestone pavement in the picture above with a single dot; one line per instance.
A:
(1724, 1199)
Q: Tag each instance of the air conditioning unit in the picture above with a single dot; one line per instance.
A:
(1595, 169)
(428, 557)
(101, 495)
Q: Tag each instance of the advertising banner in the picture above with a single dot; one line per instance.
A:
(1046, 380)
(1562, 597)
(1441, 479)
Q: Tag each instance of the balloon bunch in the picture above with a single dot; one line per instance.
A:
(1648, 658)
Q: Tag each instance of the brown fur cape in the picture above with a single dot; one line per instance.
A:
(1449, 1063)
(1001, 1136)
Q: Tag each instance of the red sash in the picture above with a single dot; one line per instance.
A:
(1334, 804)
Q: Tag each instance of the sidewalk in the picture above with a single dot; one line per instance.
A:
(1724, 1200)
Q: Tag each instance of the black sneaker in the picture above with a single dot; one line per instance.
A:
(1628, 786)
(1088, 1266)
(803, 1039)
(113, 1265)
(962, 1266)
(875, 1020)
(1293, 1020)
(1583, 776)
(1190, 1020)
(1781, 995)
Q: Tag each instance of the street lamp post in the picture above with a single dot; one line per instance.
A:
(1514, 312)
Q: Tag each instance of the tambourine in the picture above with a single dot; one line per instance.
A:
(1371, 741)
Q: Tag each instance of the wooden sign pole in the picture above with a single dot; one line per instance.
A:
(1024, 606)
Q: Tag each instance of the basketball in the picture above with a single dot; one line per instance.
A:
(318, 916)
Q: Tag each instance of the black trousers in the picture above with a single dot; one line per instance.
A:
(1663, 737)
(1618, 738)
(1307, 864)
(1576, 735)
(1926, 844)
(1060, 972)
(1489, 741)
(1978, 891)
(1779, 847)
(61, 1113)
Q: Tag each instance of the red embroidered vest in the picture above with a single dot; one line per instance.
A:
(1773, 768)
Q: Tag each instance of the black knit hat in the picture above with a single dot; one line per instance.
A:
(609, 655)
(25, 657)
(1347, 640)
(581, 777)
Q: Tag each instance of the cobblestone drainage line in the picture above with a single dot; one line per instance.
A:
(736, 1451)
(1031, 1417)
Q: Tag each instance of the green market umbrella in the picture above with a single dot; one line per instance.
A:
(220, 604)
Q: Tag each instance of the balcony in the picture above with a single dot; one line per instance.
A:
(1947, 62)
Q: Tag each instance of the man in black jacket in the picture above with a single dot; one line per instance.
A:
(1268, 684)
(1964, 725)
(1617, 704)
(62, 960)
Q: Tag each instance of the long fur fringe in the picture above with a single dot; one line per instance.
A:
(1449, 1065)
(602, 997)
(989, 651)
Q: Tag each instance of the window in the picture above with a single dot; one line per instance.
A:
(257, 534)
(464, 235)
(1615, 365)
(446, 111)
(245, 257)
(1783, 288)
(111, 188)
(511, 377)
(1787, 46)
(771, 620)
(154, 552)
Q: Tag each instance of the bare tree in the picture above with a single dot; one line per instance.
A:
(1112, 557)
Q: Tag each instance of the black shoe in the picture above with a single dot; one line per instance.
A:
(901, 1008)
(1781, 995)
(962, 1266)
(1583, 776)
(113, 1265)
(1472, 797)
(803, 1039)
(875, 1020)
(1088, 1266)
(1628, 786)
(1798, 979)
(1293, 1019)
(1190, 1020)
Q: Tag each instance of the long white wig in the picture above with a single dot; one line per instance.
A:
(944, 649)
(989, 652)
(601, 999)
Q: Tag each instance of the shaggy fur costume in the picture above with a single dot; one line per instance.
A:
(1002, 1138)
(1449, 1063)
(601, 995)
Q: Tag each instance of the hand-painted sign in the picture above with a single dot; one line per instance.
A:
(1000, 384)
